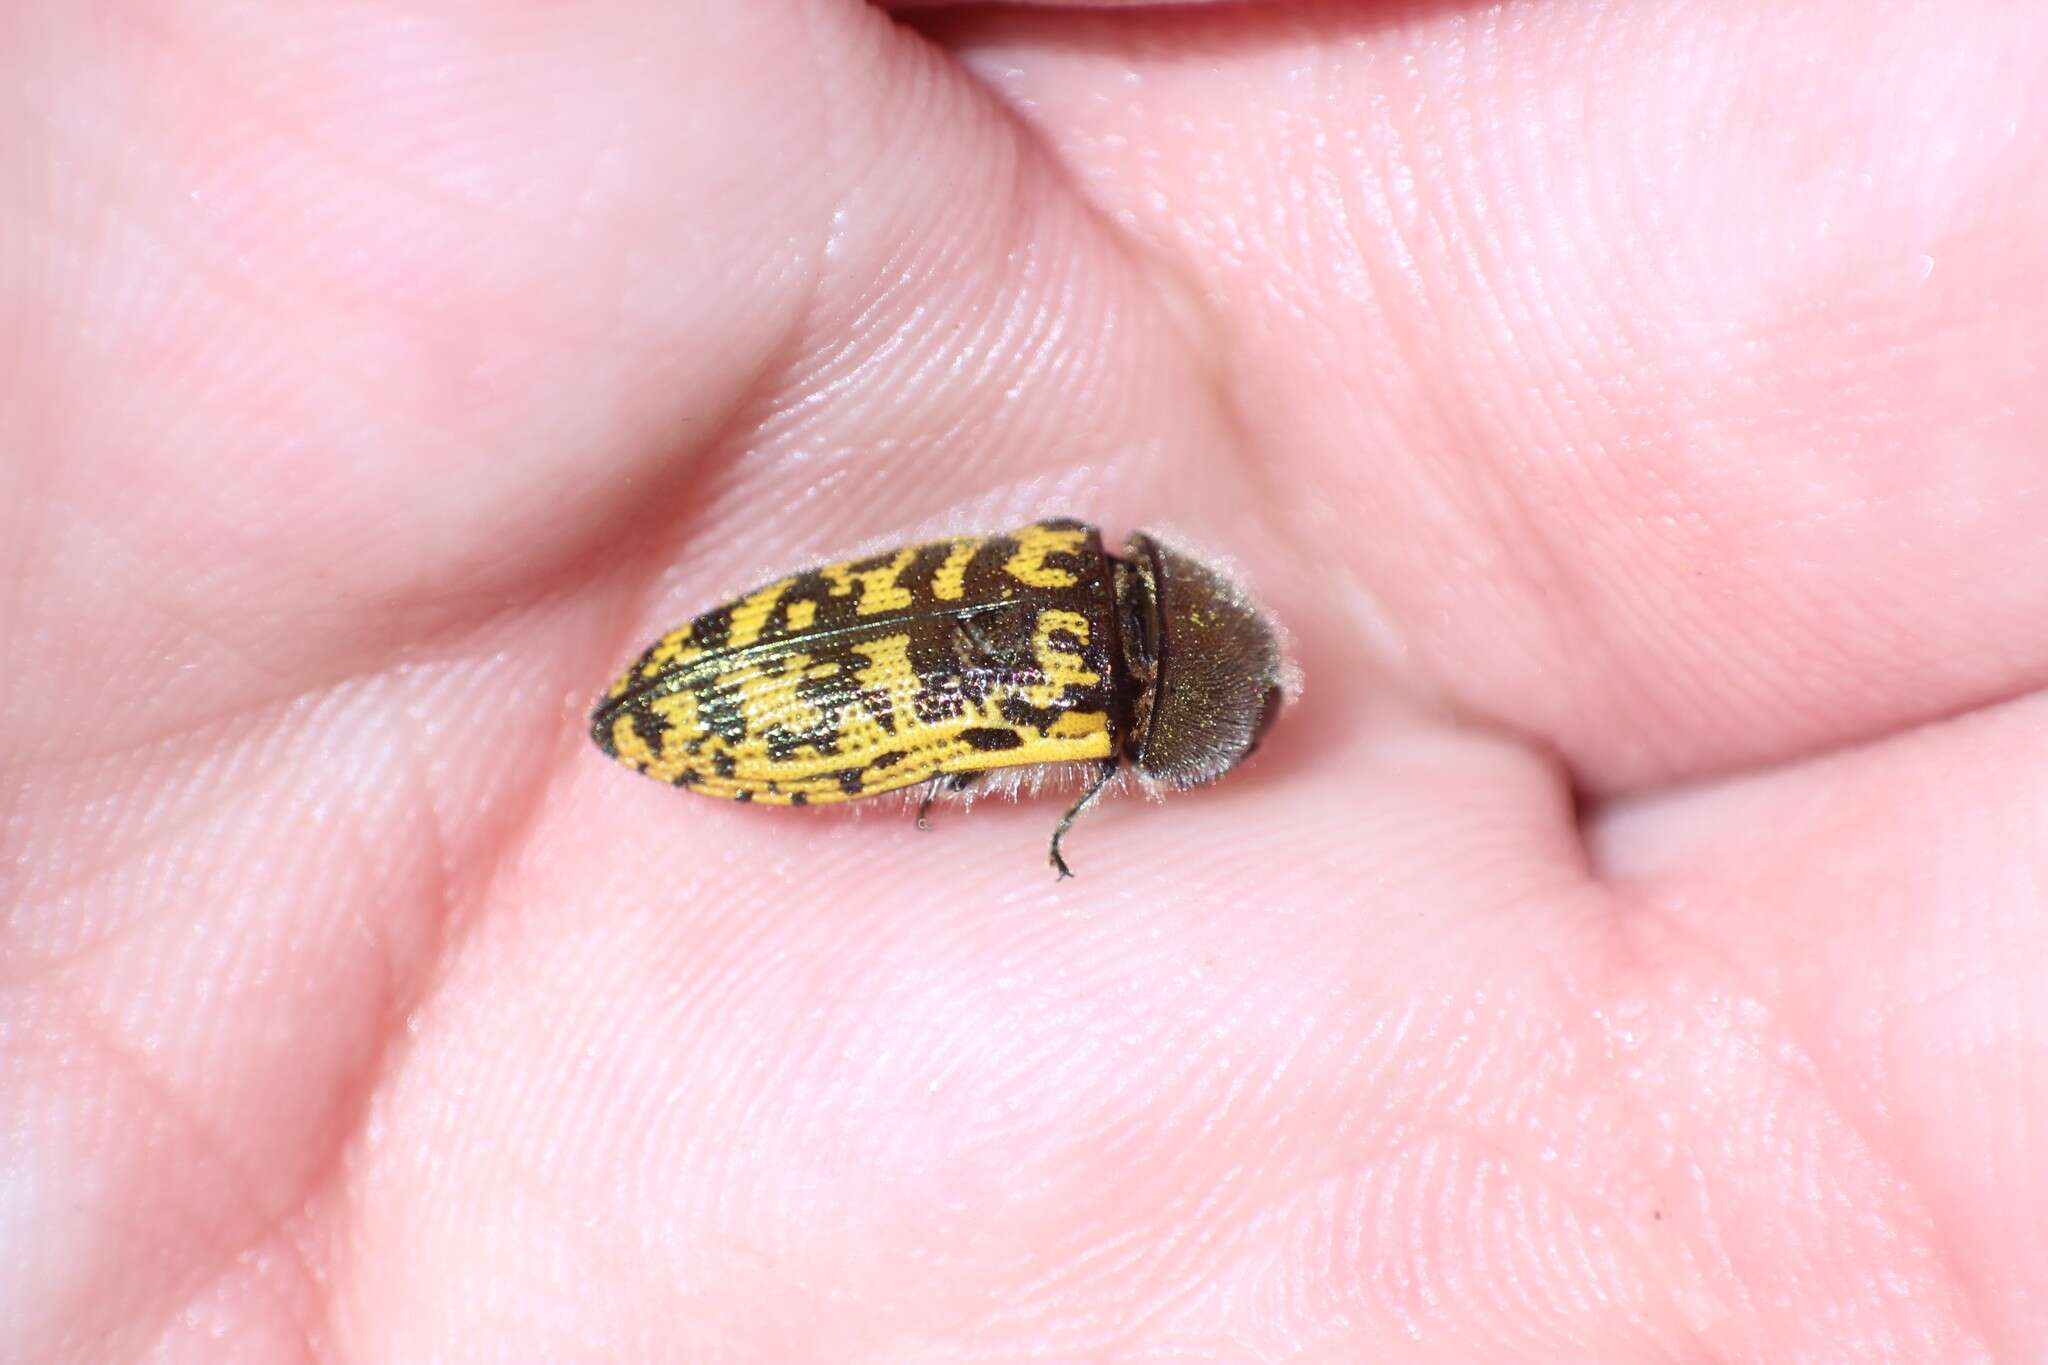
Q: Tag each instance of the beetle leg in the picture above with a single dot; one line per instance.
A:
(1109, 766)
(944, 785)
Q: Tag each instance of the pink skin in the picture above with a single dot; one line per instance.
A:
(1632, 946)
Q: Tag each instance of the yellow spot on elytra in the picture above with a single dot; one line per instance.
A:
(889, 668)
(1034, 544)
(949, 584)
(1063, 667)
(672, 650)
(751, 615)
(632, 750)
(768, 698)
(1079, 725)
(677, 713)
(879, 590)
(802, 613)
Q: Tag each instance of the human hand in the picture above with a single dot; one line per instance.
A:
(1630, 947)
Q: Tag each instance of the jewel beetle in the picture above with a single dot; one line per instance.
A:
(953, 661)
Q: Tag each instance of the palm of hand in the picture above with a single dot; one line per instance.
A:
(1610, 402)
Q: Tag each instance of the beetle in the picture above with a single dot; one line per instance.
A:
(947, 661)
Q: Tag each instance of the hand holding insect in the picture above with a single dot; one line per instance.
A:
(1627, 946)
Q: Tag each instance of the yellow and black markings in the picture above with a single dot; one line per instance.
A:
(935, 662)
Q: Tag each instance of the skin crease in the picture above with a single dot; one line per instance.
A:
(1631, 946)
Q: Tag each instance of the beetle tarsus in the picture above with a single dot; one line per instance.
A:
(1102, 779)
(950, 782)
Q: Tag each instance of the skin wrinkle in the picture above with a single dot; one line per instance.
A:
(1627, 962)
(273, 304)
(1174, 292)
(246, 287)
(1807, 1066)
(462, 623)
(454, 922)
(1503, 1157)
(139, 589)
(27, 490)
(1238, 424)
(253, 111)
(352, 1103)
(307, 1327)
(1502, 501)
(82, 1023)
(165, 835)
(316, 1327)
(289, 712)
(777, 398)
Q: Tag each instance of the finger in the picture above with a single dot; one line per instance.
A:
(1883, 909)
(1667, 386)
